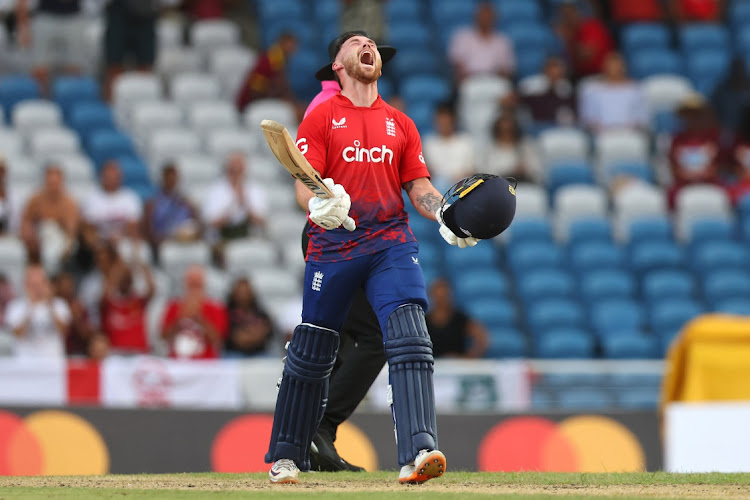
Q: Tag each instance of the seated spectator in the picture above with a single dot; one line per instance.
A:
(80, 330)
(123, 308)
(614, 100)
(106, 258)
(449, 153)
(250, 328)
(267, 79)
(695, 153)
(169, 214)
(38, 320)
(55, 34)
(453, 333)
(194, 326)
(628, 11)
(7, 204)
(234, 206)
(551, 101)
(509, 154)
(112, 212)
(740, 159)
(51, 221)
(684, 11)
(482, 49)
(587, 40)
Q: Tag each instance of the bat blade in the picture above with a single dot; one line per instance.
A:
(285, 150)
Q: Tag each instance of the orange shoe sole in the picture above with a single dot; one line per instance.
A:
(289, 480)
(431, 466)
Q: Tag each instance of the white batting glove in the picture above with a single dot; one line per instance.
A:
(449, 236)
(330, 213)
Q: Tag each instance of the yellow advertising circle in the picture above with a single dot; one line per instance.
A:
(355, 447)
(603, 444)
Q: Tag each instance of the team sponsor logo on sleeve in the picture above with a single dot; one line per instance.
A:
(302, 145)
(421, 157)
(338, 123)
(390, 127)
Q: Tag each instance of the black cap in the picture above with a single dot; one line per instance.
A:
(327, 73)
(482, 206)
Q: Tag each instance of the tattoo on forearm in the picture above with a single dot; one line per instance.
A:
(430, 202)
(409, 186)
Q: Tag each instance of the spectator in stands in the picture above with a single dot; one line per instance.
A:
(193, 325)
(51, 222)
(628, 11)
(7, 204)
(364, 15)
(482, 49)
(123, 308)
(112, 212)
(732, 95)
(106, 259)
(250, 328)
(80, 330)
(267, 79)
(129, 36)
(453, 333)
(695, 153)
(509, 154)
(169, 214)
(234, 206)
(614, 100)
(684, 11)
(587, 40)
(740, 159)
(55, 34)
(551, 99)
(38, 320)
(98, 347)
(449, 153)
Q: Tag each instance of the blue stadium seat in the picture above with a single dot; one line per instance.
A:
(410, 35)
(275, 10)
(694, 37)
(305, 61)
(453, 11)
(711, 229)
(613, 316)
(630, 345)
(588, 230)
(596, 255)
(67, 91)
(546, 314)
(665, 283)
(104, 145)
(739, 14)
(742, 43)
(506, 342)
(567, 174)
(640, 36)
(546, 284)
(653, 61)
(530, 229)
(144, 190)
(651, 255)
(638, 398)
(669, 315)
(534, 255)
(16, 88)
(404, 10)
(530, 36)
(514, 11)
(666, 122)
(564, 343)
(482, 256)
(637, 170)
(134, 171)
(328, 11)
(712, 256)
(493, 313)
(431, 255)
(706, 68)
(305, 31)
(87, 117)
(584, 398)
(734, 306)
(475, 284)
(423, 228)
(530, 60)
(414, 62)
(607, 284)
(720, 286)
(385, 88)
(743, 206)
(430, 89)
(422, 113)
(652, 229)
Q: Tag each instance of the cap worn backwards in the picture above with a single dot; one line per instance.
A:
(326, 72)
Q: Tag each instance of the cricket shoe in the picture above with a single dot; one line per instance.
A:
(427, 465)
(325, 458)
(284, 471)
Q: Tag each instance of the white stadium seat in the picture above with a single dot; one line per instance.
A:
(637, 200)
(177, 257)
(558, 145)
(188, 88)
(36, 113)
(478, 104)
(209, 35)
(700, 201)
(197, 168)
(242, 256)
(11, 142)
(47, 142)
(13, 260)
(665, 92)
(230, 65)
(531, 200)
(174, 60)
(222, 142)
(77, 166)
(577, 202)
(165, 144)
(207, 115)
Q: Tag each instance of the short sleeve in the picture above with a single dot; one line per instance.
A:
(412, 161)
(312, 141)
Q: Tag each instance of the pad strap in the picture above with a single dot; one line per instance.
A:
(410, 365)
(303, 393)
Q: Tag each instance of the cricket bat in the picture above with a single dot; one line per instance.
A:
(285, 150)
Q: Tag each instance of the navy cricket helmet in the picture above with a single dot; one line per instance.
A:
(481, 206)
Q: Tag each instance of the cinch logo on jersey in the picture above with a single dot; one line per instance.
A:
(375, 154)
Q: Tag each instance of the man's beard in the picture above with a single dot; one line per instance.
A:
(354, 70)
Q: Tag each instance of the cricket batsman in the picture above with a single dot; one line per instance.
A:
(361, 237)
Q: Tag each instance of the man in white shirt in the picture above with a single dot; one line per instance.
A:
(233, 205)
(111, 212)
(449, 154)
(39, 321)
(613, 100)
(481, 49)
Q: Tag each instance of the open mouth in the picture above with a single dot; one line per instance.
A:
(367, 58)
